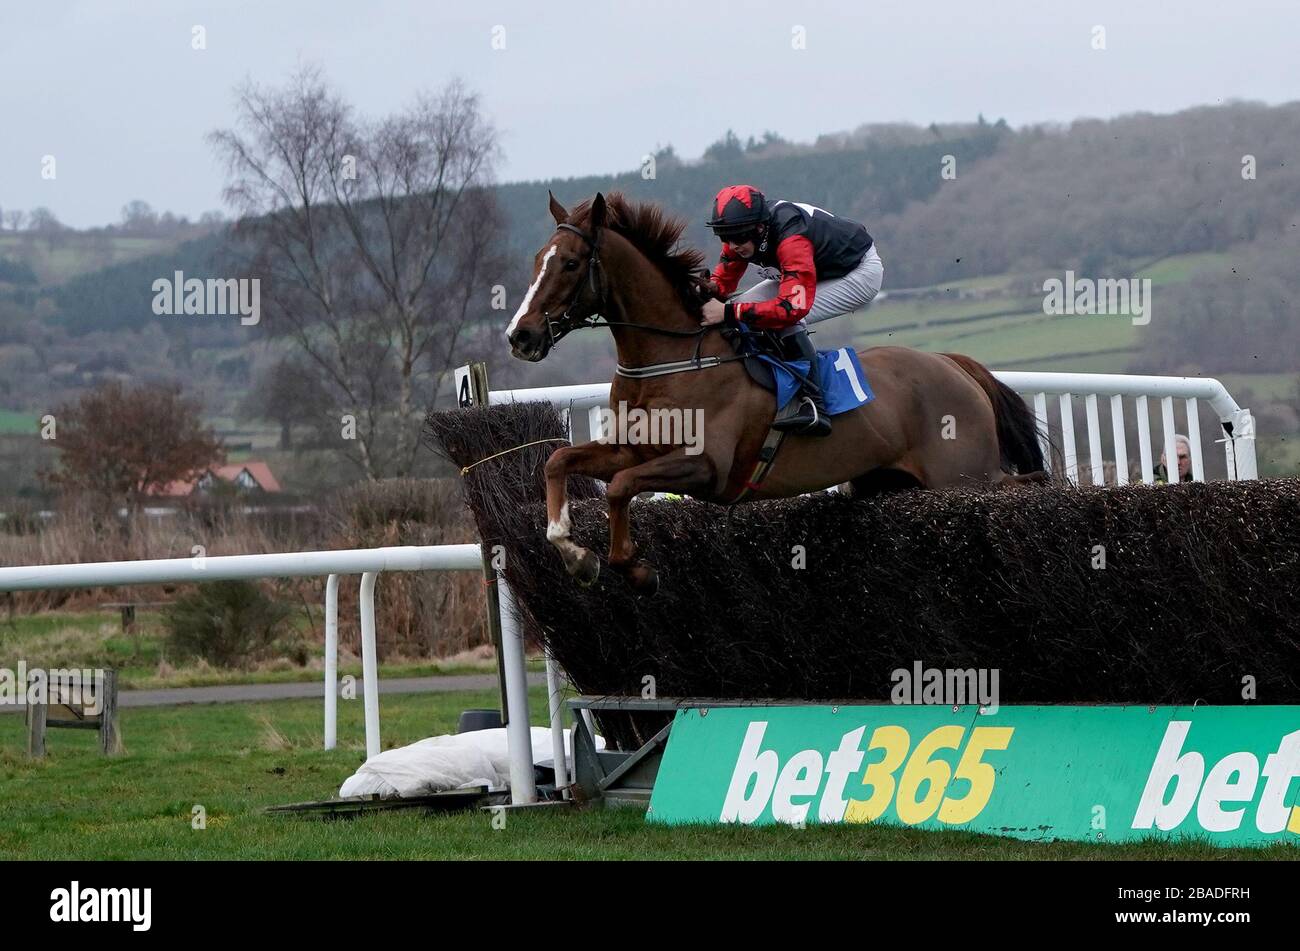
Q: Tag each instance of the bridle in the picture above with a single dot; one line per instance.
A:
(568, 320)
(559, 327)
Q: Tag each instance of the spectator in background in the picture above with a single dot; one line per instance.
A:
(1184, 449)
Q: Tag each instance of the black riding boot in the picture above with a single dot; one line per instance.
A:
(811, 419)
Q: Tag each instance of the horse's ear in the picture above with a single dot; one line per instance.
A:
(597, 212)
(558, 211)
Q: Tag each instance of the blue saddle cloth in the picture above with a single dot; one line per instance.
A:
(840, 375)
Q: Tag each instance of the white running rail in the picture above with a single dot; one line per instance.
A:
(1237, 423)
(364, 561)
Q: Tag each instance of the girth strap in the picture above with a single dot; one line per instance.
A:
(675, 366)
(763, 465)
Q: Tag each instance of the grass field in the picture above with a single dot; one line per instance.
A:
(1182, 267)
(233, 760)
(66, 256)
(23, 424)
(1005, 330)
(1278, 456)
(1276, 386)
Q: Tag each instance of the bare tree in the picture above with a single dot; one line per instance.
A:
(138, 217)
(291, 394)
(43, 221)
(373, 240)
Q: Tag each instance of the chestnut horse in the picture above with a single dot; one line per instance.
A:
(937, 420)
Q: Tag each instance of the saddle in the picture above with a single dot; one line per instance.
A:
(758, 349)
(843, 385)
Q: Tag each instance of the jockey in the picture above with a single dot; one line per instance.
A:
(827, 266)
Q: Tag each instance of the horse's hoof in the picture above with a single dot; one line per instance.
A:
(586, 569)
(644, 579)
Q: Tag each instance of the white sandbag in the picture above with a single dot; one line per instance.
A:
(454, 761)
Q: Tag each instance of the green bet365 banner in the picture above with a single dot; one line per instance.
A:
(1227, 774)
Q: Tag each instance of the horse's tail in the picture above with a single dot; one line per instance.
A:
(1017, 427)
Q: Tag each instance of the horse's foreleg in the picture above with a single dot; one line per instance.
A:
(597, 460)
(674, 472)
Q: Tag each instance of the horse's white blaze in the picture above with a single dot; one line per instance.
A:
(532, 290)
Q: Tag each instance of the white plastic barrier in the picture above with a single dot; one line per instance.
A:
(367, 562)
(1237, 423)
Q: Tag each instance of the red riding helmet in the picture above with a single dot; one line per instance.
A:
(737, 210)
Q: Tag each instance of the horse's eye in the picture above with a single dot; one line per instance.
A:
(571, 264)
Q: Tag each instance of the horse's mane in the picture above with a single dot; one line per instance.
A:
(656, 234)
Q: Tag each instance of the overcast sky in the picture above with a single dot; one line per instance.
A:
(115, 92)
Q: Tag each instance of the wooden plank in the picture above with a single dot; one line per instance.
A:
(36, 729)
(71, 724)
(110, 737)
